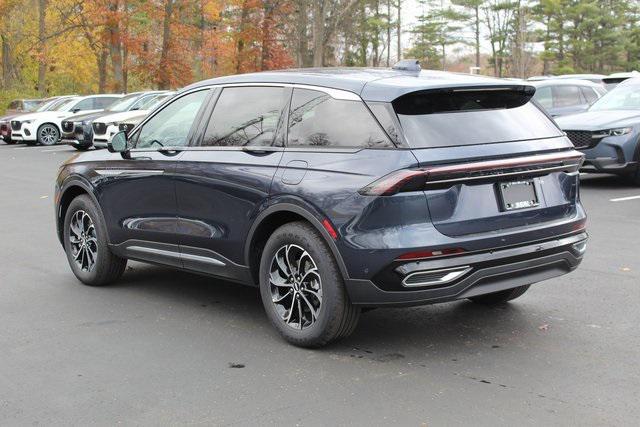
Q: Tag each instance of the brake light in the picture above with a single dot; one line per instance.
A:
(405, 180)
(428, 254)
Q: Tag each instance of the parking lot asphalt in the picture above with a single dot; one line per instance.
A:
(166, 347)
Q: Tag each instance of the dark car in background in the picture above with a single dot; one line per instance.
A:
(609, 132)
(613, 80)
(560, 97)
(334, 190)
(77, 130)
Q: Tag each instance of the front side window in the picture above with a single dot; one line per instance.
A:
(566, 96)
(318, 120)
(245, 116)
(170, 127)
(104, 101)
(85, 104)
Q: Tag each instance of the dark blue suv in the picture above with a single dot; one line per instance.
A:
(334, 190)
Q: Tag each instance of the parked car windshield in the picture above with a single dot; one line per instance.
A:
(153, 102)
(51, 104)
(64, 106)
(622, 97)
(123, 104)
(434, 119)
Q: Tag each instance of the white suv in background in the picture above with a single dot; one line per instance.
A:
(44, 127)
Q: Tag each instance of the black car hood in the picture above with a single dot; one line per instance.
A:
(599, 120)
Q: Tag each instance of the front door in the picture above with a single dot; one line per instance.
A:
(138, 194)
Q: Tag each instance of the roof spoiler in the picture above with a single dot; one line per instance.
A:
(411, 65)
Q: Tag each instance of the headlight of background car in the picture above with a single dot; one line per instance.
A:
(618, 131)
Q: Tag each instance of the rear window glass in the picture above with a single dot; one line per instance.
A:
(445, 119)
(317, 121)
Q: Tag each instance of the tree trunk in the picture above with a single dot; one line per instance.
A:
(318, 32)
(399, 28)
(42, 47)
(115, 46)
(267, 21)
(164, 78)
(6, 63)
(477, 10)
(102, 70)
(388, 33)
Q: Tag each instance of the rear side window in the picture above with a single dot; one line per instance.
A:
(245, 116)
(589, 94)
(445, 119)
(567, 96)
(317, 120)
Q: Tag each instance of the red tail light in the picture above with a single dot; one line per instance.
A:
(416, 179)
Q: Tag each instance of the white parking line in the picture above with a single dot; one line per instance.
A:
(20, 148)
(624, 199)
(54, 150)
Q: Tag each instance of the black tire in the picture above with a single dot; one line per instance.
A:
(500, 297)
(9, 141)
(337, 317)
(48, 134)
(107, 267)
(81, 147)
(635, 177)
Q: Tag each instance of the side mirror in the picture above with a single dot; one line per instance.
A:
(118, 144)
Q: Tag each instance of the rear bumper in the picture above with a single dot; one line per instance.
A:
(489, 271)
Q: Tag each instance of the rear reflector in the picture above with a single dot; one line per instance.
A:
(327, 226)
(409, 256)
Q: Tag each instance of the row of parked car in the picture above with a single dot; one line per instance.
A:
(600, 115)
(80, 121)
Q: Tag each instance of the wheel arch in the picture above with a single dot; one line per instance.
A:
(71, 189)
(272, 218)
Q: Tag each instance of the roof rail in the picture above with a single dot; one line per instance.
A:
(412, 65)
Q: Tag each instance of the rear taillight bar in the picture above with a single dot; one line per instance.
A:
(417, 179)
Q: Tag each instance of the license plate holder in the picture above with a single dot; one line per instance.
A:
(515, 195)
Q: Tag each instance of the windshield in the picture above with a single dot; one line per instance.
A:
(124, 103)
(63, 106)
(623, 97)
(50, 104)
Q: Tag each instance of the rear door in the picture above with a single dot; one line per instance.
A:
(224, 179)
(494, 161)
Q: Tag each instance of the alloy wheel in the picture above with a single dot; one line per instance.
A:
(83, 240)
(296, 287)
(48, 135)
